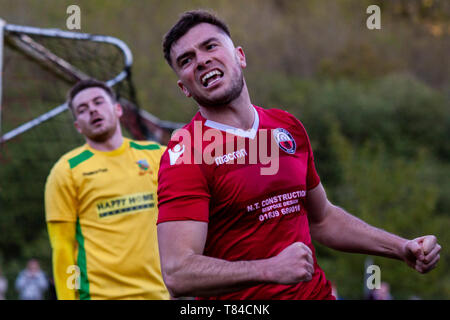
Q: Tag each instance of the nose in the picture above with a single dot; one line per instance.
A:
(92, 108)
(202, 61)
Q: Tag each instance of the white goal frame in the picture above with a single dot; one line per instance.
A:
(20, 39)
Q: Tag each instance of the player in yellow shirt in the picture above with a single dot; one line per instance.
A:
(101, 206)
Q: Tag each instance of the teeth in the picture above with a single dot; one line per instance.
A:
(209, 75)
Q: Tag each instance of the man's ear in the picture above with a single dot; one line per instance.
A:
(75, 123)
(184, 89)
(240, 55)
(119, 110)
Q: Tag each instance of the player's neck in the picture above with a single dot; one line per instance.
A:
(238, 114)
(111, 144)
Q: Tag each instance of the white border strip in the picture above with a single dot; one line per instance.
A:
(2, 25)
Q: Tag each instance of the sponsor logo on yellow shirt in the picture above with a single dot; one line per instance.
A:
(131, 203)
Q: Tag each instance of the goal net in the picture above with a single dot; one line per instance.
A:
(37, 68)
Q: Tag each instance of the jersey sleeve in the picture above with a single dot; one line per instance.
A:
(312, 178)
(183, 192)
(62, 241)
(60, 194)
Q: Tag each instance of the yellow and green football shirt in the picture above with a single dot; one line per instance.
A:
(111, 198)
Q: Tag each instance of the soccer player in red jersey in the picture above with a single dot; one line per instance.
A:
(239, 195)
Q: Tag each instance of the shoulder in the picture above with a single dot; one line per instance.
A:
(186, 134)
(189, 129)
(61, 172)
(185, 142)
(279, 117)
(273, 112)
(71, 159)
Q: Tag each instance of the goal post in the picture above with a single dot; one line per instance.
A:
(20, 38)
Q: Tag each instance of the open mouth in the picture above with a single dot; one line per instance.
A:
(96, 121)
(211, 77)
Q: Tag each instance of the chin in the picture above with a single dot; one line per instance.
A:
(216, 101)
(100, 136)
(222, 96)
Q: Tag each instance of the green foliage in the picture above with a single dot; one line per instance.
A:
(391, 193)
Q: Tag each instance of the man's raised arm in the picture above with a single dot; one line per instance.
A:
(334, 227)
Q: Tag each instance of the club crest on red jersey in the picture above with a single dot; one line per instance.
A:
(285, 140)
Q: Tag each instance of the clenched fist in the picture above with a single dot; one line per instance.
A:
(292, 265)
(422, 253)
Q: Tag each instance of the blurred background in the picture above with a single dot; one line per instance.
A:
(375, 104)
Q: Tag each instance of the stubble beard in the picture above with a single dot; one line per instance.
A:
(103, 135)
(227, 97)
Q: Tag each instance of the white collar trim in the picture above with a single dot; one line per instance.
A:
(251, 133)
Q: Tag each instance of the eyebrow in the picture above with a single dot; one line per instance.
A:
(99, 97)
(85, 103)
(189, 52)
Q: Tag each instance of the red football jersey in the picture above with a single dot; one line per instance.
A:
(250, 187)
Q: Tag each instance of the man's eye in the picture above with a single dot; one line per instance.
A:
(185, 61)
(211, 46)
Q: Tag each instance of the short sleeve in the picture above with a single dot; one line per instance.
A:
(312, 177)
(60, 194)
(183, 192)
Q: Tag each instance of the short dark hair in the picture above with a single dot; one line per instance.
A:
(85, 84)
(187, 21)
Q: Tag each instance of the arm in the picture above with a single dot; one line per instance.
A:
(42, 280)
(3, 285)
(337, 229)
(61, 216)
(187, 272)
(21, 281)
(62, 240)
